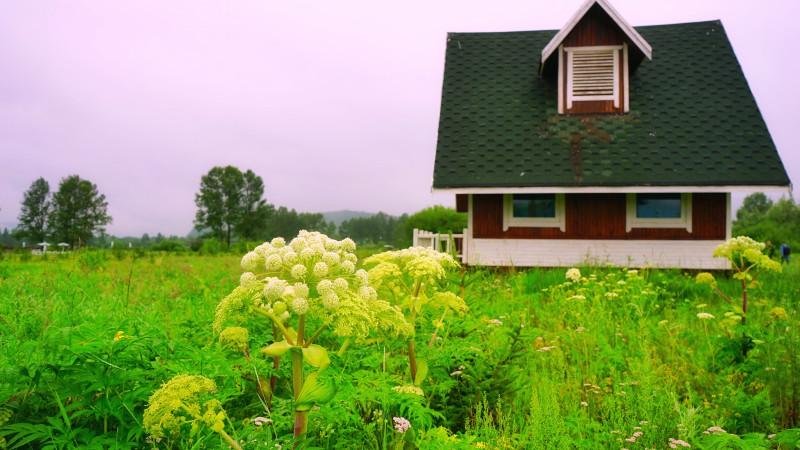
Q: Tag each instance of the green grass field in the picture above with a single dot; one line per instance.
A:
(618, 360)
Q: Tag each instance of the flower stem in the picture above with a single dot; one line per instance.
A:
(412, 359)
(231, 442)
(300, 417)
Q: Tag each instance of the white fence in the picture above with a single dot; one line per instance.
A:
(443, 242)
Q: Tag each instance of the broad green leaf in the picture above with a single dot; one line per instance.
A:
(422, 372)
(316, 355)
(276, 348)
(314, 392)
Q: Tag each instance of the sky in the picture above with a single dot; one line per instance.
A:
(334, 104)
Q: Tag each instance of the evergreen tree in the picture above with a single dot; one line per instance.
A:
(35, 211)
(78, 211)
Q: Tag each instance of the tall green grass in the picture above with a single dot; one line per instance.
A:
(537, 362)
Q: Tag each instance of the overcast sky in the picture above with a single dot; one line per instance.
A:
(334, 104)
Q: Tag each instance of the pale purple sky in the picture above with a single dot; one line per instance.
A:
(334, 104)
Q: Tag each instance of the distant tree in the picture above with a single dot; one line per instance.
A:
(145, 240)
(230, 203)
(380, 228)
(779, 223)
(286, 222)
(753, 209)
(7, 239)
(78, 211)
(35, 211)
(438, 219)
(256, 210)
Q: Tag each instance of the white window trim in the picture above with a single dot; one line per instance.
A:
(570, 51)
(533, 222)
(685, 221)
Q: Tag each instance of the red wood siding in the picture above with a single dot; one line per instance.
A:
(600, 216)
(462, 203)
(596, 28)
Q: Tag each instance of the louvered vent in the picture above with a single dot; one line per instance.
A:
(593, 74)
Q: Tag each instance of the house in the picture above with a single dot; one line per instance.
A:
(599, 143)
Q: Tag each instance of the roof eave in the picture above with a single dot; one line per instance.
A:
(611, 189)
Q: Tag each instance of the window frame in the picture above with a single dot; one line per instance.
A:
(682, 222)
(533, 222)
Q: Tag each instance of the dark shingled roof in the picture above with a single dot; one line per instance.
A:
(692, 122)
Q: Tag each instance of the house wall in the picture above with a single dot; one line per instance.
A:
(595, 28)
(571, 252)
(601, 216)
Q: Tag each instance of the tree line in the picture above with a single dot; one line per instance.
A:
(231, 208)
(774, 223)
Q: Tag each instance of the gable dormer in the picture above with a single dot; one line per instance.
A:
(591, 59)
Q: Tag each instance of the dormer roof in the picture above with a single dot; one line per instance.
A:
(636, 39)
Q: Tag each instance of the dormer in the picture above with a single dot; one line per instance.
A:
(591, 59)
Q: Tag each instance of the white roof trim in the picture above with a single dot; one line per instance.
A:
(632, 34)
(607, 189)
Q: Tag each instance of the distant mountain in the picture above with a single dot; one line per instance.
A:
(337, 217)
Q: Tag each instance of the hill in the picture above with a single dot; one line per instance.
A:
(337, 217)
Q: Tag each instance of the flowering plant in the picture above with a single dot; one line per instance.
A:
(311, 277)
(746, 257)
(411, 278)
(185, 400)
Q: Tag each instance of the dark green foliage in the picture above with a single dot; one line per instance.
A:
(438, 219)
(380, 228)
(78, 212)
(34, 212)
(772, 223)
(230, 203)
(287, 222)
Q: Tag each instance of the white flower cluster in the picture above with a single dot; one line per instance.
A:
(310, 267)
(420, 263)
(573, 274)
(311, 274)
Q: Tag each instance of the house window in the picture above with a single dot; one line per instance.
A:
(593, 74)
(659, 210)
(533, 210)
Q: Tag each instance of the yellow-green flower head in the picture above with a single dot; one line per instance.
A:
(367, 293)
(573, 274)
(307, 254)
(332, 245)
(348, 267)
(273, 262)
(300, 306)
(778, 313)
(247, 279)
(278, 242)
(704, 278)
(278, 308)
(300, 290)
(348, 245)
(289, 256)
(299, 272)
(274, 288)
(743, 251)
(331, 258)
(263, 249)
(330, 300)
(424, 267)
(704, 316)
(324, 286)
(320, 269)
(340, 284)
(235, 339)
(362, 277)
(252, 261)
(182, 401)
(297, 244)
(351, 257)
